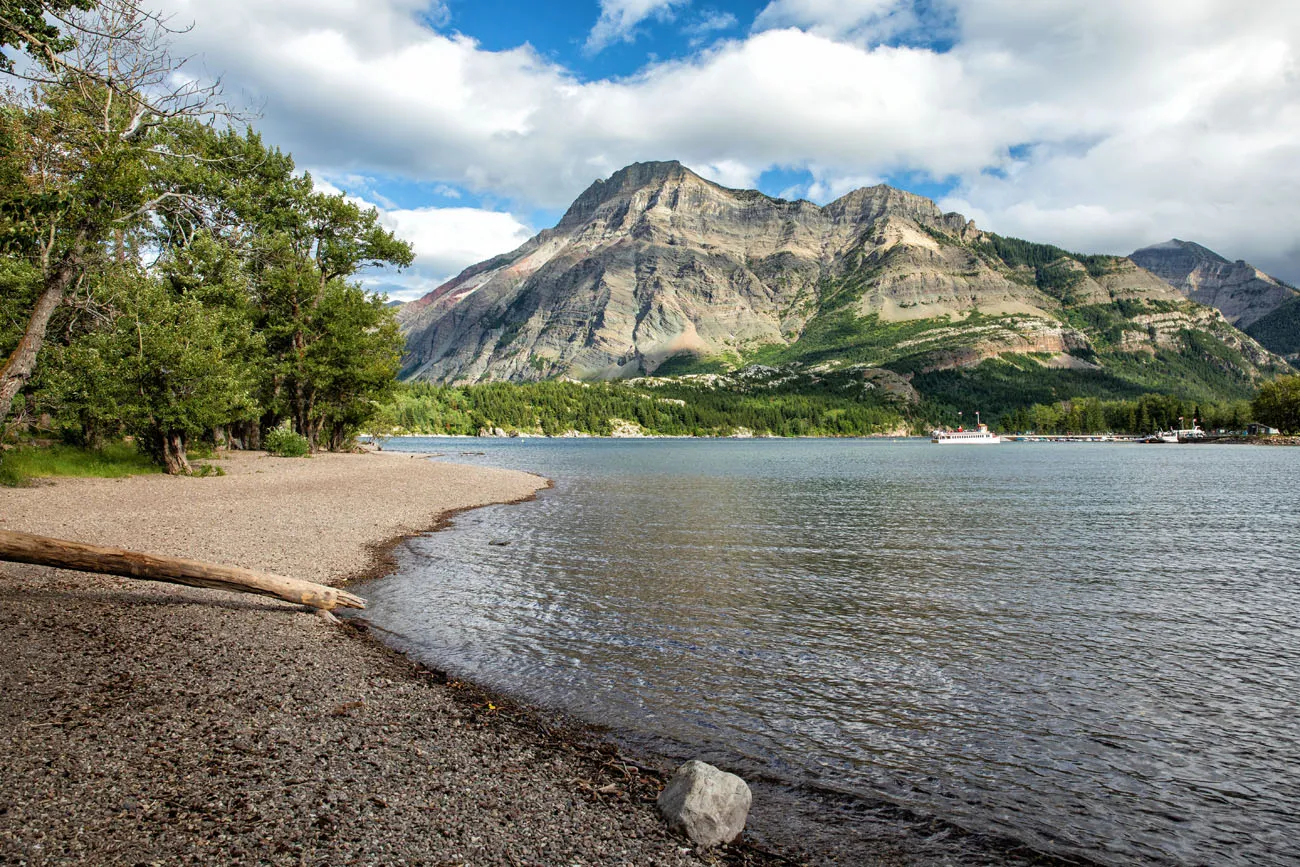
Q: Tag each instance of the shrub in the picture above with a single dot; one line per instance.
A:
(284, 443)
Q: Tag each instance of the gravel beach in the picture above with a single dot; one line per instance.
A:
(144, 723)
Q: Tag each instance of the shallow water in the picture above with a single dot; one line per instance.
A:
(1090, 649)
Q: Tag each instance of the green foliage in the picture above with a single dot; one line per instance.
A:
(798, 405)
(1278, 404)
(29, 26)
(1143, 415)
(19, 284)
(1051, 274)
(842, 336)
(1001, 384)
(115, 460)
(687, 363)
(353, 361)
(1279, 331)
(283, 442)
(161, 367)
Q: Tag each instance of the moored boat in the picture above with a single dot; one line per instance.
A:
(980, 435)
(1181, 435)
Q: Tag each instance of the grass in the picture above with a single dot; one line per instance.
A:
(19, 466)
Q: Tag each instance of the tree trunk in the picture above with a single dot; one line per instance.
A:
(63, 554)
(18, 368)
(173, 453)
(338, 438)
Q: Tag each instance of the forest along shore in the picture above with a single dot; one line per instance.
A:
(151, 722)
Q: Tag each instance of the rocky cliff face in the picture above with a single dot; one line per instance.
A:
(657, 264)
(1242, 292)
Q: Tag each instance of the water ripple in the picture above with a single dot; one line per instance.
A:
(1093, 650)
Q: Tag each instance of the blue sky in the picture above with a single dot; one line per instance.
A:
(1098, 125)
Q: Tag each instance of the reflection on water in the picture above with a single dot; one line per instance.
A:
(1094, 649)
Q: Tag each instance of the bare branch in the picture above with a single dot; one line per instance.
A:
(124, 48)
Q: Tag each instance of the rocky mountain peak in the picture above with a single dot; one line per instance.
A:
(622, 183)
(1240, 291)
(868, 204)
(1177, 257)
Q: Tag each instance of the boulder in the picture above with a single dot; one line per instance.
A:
(705, 804)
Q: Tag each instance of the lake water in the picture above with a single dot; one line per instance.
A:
(1092, 650)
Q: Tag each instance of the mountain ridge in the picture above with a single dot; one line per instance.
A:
(657, 263)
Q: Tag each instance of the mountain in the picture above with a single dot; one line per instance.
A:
(659, 271)
(1242, 292)
(1262, 306)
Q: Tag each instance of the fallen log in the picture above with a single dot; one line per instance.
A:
(64, 554)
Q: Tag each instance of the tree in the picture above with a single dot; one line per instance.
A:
(80, 146)
(353, 362)
(164, 365)
(296, 245)
(1277, 403)
(32, 26)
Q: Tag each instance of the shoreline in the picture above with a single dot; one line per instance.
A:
(147, 721)
(1275, 440)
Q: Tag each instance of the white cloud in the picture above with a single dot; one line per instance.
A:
(448, 240)
(1153, 120)
(709, 23)
(1130, 122)
(867, 21)
(619, 19)
(445, 241)
(729, 173)
(826, 188)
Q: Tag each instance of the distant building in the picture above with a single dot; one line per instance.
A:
(1255, 429)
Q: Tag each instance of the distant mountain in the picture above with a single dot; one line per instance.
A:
(1262, 306)
(659, 271)
(1242, 292)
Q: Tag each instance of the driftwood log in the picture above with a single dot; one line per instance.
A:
(63, 554)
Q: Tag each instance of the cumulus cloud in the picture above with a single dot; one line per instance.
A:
(445, 241)
(1094, 124)
(1149, 121)
(619, 19)
(448, 240)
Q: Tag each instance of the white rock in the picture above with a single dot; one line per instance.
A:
(707, 805)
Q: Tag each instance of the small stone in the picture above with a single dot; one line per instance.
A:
(705, 804)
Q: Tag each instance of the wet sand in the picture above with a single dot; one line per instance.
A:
(150, 723)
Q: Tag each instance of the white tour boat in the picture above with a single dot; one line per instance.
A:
(981, 434)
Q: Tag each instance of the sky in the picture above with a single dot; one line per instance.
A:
(1101, 126)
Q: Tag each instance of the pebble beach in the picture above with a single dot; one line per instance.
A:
(147, 723)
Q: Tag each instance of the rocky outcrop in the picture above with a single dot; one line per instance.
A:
(1242, 292)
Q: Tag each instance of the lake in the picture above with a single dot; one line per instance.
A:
(935, 654)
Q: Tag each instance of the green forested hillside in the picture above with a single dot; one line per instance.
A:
(800, 407)
(1280, 330)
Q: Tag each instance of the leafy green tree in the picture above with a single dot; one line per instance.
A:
(175, 376)
(353, 362)
(298, 248)
(1278, 404)
(79, 147)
